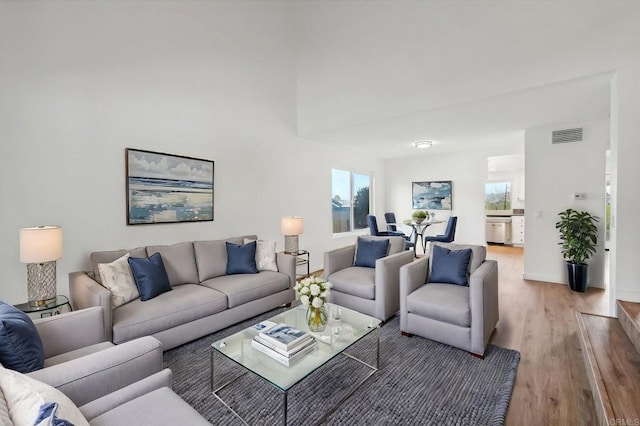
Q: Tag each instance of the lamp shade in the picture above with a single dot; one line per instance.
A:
(40, 244)
(291, 225)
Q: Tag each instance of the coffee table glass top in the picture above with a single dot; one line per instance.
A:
(238, 346)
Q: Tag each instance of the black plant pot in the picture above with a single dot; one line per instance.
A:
(577, 276)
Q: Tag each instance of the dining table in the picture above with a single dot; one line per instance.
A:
(418, 230)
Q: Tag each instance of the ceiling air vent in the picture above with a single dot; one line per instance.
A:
(566, 135)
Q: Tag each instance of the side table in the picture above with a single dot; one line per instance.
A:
(47, 310)
(302, 259)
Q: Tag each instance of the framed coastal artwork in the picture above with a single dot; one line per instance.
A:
(434, 195)
(166, 188)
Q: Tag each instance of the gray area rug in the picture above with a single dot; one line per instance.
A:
(420, 382)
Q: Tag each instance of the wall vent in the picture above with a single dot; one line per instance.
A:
(566, 135)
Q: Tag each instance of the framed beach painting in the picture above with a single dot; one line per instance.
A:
(435, 195)
(165, 188)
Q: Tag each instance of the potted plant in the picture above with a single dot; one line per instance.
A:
(578, 238)
(419, 215)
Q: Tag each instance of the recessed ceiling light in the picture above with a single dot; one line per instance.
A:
(423, 144)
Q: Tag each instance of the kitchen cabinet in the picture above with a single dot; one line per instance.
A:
(517, 230)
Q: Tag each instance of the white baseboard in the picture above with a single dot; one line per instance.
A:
(554, 280)
(541, 277)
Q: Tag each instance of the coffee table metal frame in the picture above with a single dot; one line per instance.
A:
(268, 369)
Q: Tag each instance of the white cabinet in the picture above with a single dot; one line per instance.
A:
(517, 230)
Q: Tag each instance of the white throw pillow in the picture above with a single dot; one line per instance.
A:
(117, 277)
(24, 396)
(265, 254)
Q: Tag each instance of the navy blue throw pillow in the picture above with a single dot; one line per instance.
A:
(450, 266)
(20, 345)
(241, 259)
(150, 276)
(368, 251)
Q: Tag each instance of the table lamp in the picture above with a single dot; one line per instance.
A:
(291, 227)
(40, 247)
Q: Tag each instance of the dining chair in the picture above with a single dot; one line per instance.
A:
(373, 229)
(449, 234)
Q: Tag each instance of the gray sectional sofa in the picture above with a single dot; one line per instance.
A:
(203, 299)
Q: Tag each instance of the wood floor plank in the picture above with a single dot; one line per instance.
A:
(538, 319)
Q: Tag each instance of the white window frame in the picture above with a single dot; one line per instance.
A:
(353, 231)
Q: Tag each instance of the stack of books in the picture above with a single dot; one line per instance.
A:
(284, 343)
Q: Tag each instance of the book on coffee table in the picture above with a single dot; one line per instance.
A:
(263, 326)
(284, 336)
(283, 359)
(295, 349)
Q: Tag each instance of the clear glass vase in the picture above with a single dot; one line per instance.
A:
(317, 318)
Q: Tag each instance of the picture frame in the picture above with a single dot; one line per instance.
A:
(167, 188)
(432, 195)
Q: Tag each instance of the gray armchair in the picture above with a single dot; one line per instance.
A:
(460, 316)
(372, 291)
(111, 384)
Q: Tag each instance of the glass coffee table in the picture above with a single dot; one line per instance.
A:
(237, 348)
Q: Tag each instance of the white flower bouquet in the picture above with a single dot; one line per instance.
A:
(313, 291)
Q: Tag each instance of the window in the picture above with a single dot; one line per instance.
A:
(497, 196)
(351, 200)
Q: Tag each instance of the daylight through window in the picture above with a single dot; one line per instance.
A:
(351, 201)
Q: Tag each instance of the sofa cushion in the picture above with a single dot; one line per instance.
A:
(450, 266)
(20, 344)
(179, 261)
(24, 396)
(98, 257)
(185, 303)
(150, 276)
(159, 407)
(243, 288)
(442, 302)
(368, 251)
(357, 280)
(211, 257)
(241, 258)
(117, 277)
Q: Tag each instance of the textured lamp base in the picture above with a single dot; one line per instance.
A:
(290, 244)
(41, 283)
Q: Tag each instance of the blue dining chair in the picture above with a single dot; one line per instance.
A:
(373, 229)
(449, 234)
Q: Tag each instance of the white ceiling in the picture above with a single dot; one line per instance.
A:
(374, 76)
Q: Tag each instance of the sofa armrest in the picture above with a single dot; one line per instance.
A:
(338, 259)
(483, 289)
(86, 292)
(412, 276)
(287, 265)
(108, 402)
(70, 331)
(387, 282)
(92, 376)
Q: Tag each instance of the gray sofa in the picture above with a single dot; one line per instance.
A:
(203, 299)
(108, 384)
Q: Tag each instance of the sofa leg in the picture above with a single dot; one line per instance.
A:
(405, 334)
(477, 355)
(288, 305)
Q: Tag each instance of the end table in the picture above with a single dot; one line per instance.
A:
(47, 310)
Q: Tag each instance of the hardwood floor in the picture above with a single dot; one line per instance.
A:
(538, 319)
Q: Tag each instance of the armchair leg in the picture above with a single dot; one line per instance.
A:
(288, 305)
(405, 334)
(477, 355)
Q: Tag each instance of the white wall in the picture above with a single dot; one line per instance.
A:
(625, 183)
(553, 174)
(81, 81)
(467, 170)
